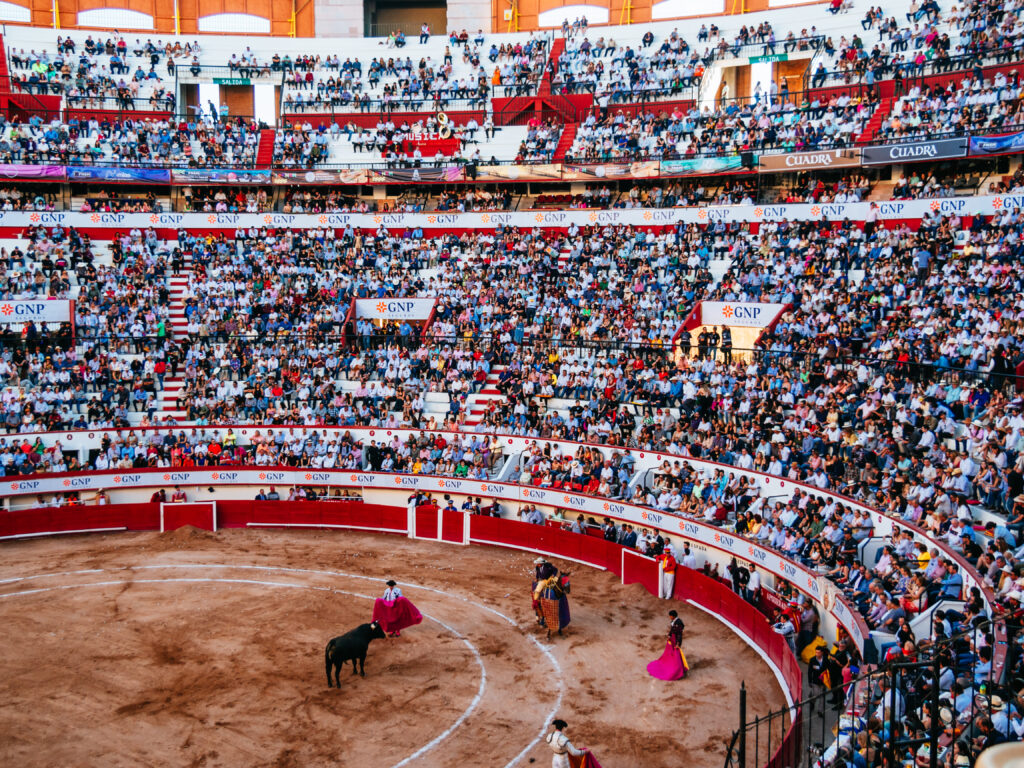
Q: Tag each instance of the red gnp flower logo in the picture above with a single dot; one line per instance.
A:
(608, 506)
(727, 311)
(7, 309)
(154, 219)
(382, 307)
(997, 202)
(67, 483)
(309, 475)
(95, 218)
(935, 205)
(263, 475)
(15, 486)
(760, 211)
(215, 475)
(34, 218)
(212, 219)
(815, 210)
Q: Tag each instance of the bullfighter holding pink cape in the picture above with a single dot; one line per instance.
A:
(672, 663)
(394, 612)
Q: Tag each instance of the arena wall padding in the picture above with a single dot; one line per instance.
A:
(198, 514)
(638, 569)
(134, 517)
(426, 523)
(453, 526)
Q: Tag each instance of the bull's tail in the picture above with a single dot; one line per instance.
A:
(327, 661)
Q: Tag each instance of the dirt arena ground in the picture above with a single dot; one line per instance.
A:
(198, 649)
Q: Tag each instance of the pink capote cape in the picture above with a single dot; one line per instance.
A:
(671, 666)
(395, 615)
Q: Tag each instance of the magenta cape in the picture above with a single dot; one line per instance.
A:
(586, 761)
(395, 615)
(671, 666)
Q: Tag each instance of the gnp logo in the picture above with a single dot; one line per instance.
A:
(404, 481)
(443, 218)
(658, 216)
(948, 206)
(389, 219)
(29, 309)
(757, 554)
(127, 479)
(335, 219)
(394, 307)
(491, 488)
(833, 211)
(317, 477)
(449, 485)
(496, 218)
(772, 211)
(107, 218)
(225, 218)
(362, 479)
(788, 569)
(652, 517)
(279, 218)
(1008, 201)
(47, 218)
(167, 218)
(891, 209)
(176, 477)
(274, 477)
(534, 493)
(77, 482)
(552, 217)
(574, 501)
(616, 509)
(224, 477)
(725, 541)
(741, 312)
(25, 485)
(716, 214)
(690, 529)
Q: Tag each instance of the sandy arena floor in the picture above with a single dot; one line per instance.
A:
(197, 649)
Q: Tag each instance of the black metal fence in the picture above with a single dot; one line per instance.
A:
(898, 713)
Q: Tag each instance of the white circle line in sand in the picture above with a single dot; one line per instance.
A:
(282, 569)
(207, 580)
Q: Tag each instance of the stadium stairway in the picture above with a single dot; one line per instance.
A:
(177, 288)
(557, 46)
(565, 142)
(875, 121)
(477, 404)
(265, 150)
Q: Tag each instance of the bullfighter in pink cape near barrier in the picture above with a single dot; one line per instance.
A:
(672, 664)
(394, 612)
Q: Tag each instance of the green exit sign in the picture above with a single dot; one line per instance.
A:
(232, 81)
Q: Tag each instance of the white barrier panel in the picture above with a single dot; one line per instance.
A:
(46, 311)
(738, 313)
(395, 309)
(640, 217)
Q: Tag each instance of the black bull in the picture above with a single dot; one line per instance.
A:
(352, 647)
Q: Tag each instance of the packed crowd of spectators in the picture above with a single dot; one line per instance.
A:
(736, 126)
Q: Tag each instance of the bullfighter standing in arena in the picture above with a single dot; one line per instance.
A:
(395, 612)
(552, 596)
(542, 571)
(566, 754)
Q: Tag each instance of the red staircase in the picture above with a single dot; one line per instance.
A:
(565, 142)
(265, 150)
(557, 46)
(875, 121)
(5, 78)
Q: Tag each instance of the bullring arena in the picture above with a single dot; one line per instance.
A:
(196, 648)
